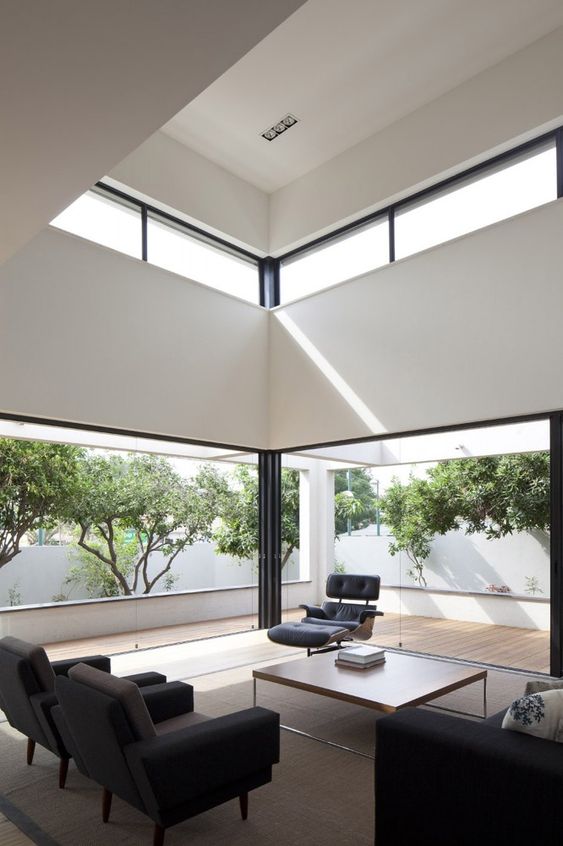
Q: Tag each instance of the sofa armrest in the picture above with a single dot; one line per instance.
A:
(466, 781)
(197, 760)
(168, 700)
(314, 611)
(100, 662)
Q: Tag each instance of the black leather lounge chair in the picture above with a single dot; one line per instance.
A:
(325, 627)
(166, 760)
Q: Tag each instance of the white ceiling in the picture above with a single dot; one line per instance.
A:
(347, 69)
(84, 83)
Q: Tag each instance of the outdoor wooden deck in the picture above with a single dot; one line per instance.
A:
(525, 649)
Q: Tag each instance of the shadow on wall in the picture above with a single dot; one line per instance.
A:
(456, 562)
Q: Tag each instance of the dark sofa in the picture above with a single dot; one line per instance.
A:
(445, 780)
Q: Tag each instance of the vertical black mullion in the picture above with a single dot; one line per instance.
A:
(556, 515)
(144, 233)
(269, 278)
(269, 532)
(559, 157)
(391, 218)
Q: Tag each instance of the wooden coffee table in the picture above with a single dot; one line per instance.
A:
(403, 681)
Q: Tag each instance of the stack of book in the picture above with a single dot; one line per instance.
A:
(360, 657)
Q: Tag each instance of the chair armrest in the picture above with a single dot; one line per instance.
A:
(43, 704)
(314, 611)
(194, 761)
(168, 700)
(451, 769)
(369, 612)
(100, 662)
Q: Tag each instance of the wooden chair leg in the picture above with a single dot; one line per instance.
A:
(30, 750)
(107, 796)
(63, 770)
(243, 801)
(158, 838)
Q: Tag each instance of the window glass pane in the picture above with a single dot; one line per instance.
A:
(339, 260)
(104, 220)
(502, 193)
(174, 250)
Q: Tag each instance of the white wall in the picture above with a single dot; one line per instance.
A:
(490, 113)
(457, 562)
(467, 331)
(92, 336)
(89, 619)
(192, 187)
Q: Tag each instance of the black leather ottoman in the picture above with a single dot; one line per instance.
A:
(307, 635)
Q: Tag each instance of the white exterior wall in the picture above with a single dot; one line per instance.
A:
(62, 622)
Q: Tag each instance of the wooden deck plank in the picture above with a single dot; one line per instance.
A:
(526, 649)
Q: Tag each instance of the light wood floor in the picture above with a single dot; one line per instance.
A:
(525, 649)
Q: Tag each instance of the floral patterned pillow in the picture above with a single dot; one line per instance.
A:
(539, 714)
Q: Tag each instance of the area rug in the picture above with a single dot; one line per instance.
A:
(319, 794)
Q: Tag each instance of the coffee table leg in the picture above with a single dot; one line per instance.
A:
(485, 698)
(254, 692)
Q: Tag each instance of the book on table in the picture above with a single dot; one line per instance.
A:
(361, 656)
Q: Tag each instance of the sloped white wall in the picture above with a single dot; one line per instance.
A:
(89, 335)
(467, 331)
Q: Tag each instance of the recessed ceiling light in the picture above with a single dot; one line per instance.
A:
(280, 127)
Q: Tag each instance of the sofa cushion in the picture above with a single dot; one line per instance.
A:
(36, 656)
(539, 714)
(541, 686)
(126, 692)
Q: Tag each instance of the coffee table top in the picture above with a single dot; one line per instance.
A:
(401, 681)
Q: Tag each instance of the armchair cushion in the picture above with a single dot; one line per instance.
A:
(124, 691)
(349, 586)
(180, 722)
(166, 701)
(175, 768)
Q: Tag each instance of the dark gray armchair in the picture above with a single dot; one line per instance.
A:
(27, 695)
(166, 760)
(357, 619)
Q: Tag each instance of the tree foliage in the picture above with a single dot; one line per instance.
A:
(237, 533)
(36, 481)
(129, 508)
(495, 496)
(361, 507)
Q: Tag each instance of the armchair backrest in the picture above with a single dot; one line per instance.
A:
(100, 728)
(346, 586)
(37, 659)
(24, 671)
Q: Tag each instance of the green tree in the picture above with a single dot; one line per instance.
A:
(36, 481)
(494, 495)
(129, 508)
(361, 508)
(237, 533)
